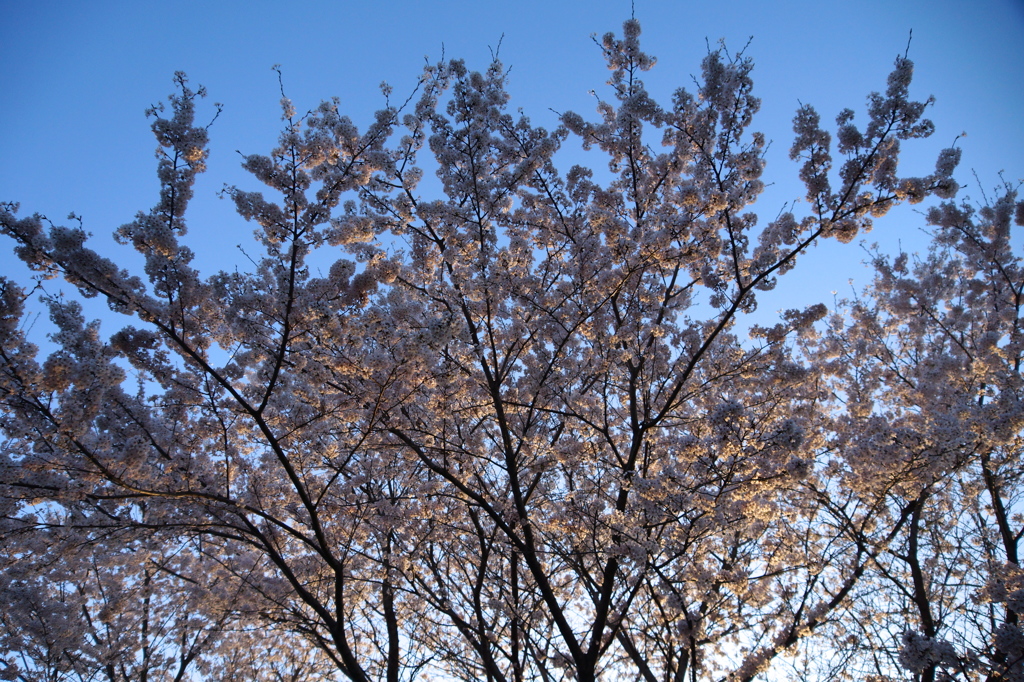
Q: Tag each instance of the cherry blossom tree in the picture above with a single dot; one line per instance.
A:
(120, 608)
(522, 429)
(927, 368)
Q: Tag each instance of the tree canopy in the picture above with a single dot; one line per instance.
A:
(523, 428)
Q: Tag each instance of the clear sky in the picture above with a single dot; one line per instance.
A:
(77, 77)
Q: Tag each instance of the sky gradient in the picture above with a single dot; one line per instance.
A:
(78, 76)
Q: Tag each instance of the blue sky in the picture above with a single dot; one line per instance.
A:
(77, 77)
